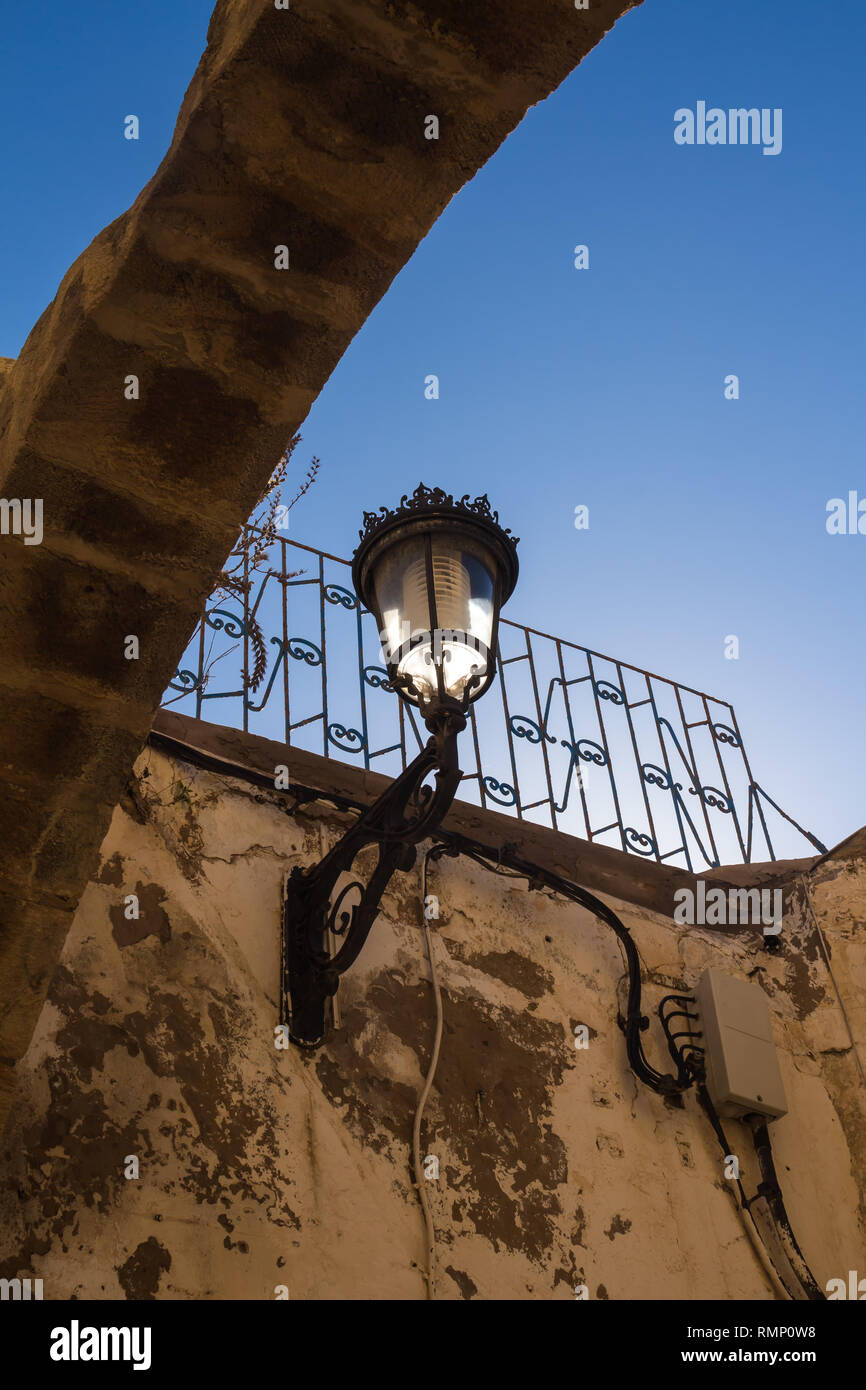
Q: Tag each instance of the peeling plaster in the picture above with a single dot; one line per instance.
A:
(261, 1167)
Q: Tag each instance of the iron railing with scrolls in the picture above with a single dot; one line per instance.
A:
(565, 736)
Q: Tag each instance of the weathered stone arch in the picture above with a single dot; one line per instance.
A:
(303, 127)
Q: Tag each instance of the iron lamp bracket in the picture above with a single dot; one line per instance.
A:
(314, 910)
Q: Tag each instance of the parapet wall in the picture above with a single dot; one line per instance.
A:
(265, 1172)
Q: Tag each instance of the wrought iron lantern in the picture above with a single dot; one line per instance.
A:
(435, 573)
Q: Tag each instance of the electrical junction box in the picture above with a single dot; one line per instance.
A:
(743, 1076)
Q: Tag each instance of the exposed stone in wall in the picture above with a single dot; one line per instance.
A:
(302, 127)
(261, 1168)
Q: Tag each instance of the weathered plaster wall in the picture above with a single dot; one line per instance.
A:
(262, 1167)
(304, 128)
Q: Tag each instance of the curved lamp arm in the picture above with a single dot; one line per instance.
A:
(407, 812)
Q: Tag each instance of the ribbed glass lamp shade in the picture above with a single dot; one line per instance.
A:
(447, 629)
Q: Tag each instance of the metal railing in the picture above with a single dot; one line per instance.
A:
(565, 736)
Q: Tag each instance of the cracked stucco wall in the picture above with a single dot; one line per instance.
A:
(261, 1168)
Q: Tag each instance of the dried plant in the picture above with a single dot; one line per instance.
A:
(249, 559)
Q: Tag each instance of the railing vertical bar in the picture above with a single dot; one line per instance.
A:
(637, 758)
(575, 769)
(200, 682)
(670, 774)
(604, 742)
(510, 738)
(770, 849)
(402, 716)
(696, 773)
(362, 685)
(478, 767)
(752, 782)
(246, 673)
(325, 751)
(550, 797)
(723, 771)
(285, 603)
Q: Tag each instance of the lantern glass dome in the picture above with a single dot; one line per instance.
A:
(435, 574)
(445, 627)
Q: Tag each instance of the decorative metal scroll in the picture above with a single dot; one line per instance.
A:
(565, 737)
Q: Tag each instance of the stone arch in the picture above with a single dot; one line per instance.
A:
(303, 127)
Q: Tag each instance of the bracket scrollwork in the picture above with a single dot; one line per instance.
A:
(406, 813)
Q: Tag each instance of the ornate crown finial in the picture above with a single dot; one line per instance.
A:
(428, 498)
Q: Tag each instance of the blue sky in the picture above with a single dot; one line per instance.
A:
(560, 387)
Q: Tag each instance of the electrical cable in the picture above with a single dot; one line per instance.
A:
(635, 1022)
(689, 1071)
(771, 1192)
(420, 1180)
(778, 1244)
(744, 1205)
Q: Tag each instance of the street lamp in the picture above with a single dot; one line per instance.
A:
(435, 574)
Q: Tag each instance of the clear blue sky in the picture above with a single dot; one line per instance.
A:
(562, 387)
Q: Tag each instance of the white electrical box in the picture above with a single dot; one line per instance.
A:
(743, 1076)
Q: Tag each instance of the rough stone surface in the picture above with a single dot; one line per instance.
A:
(301, 128)
(262, 1168)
